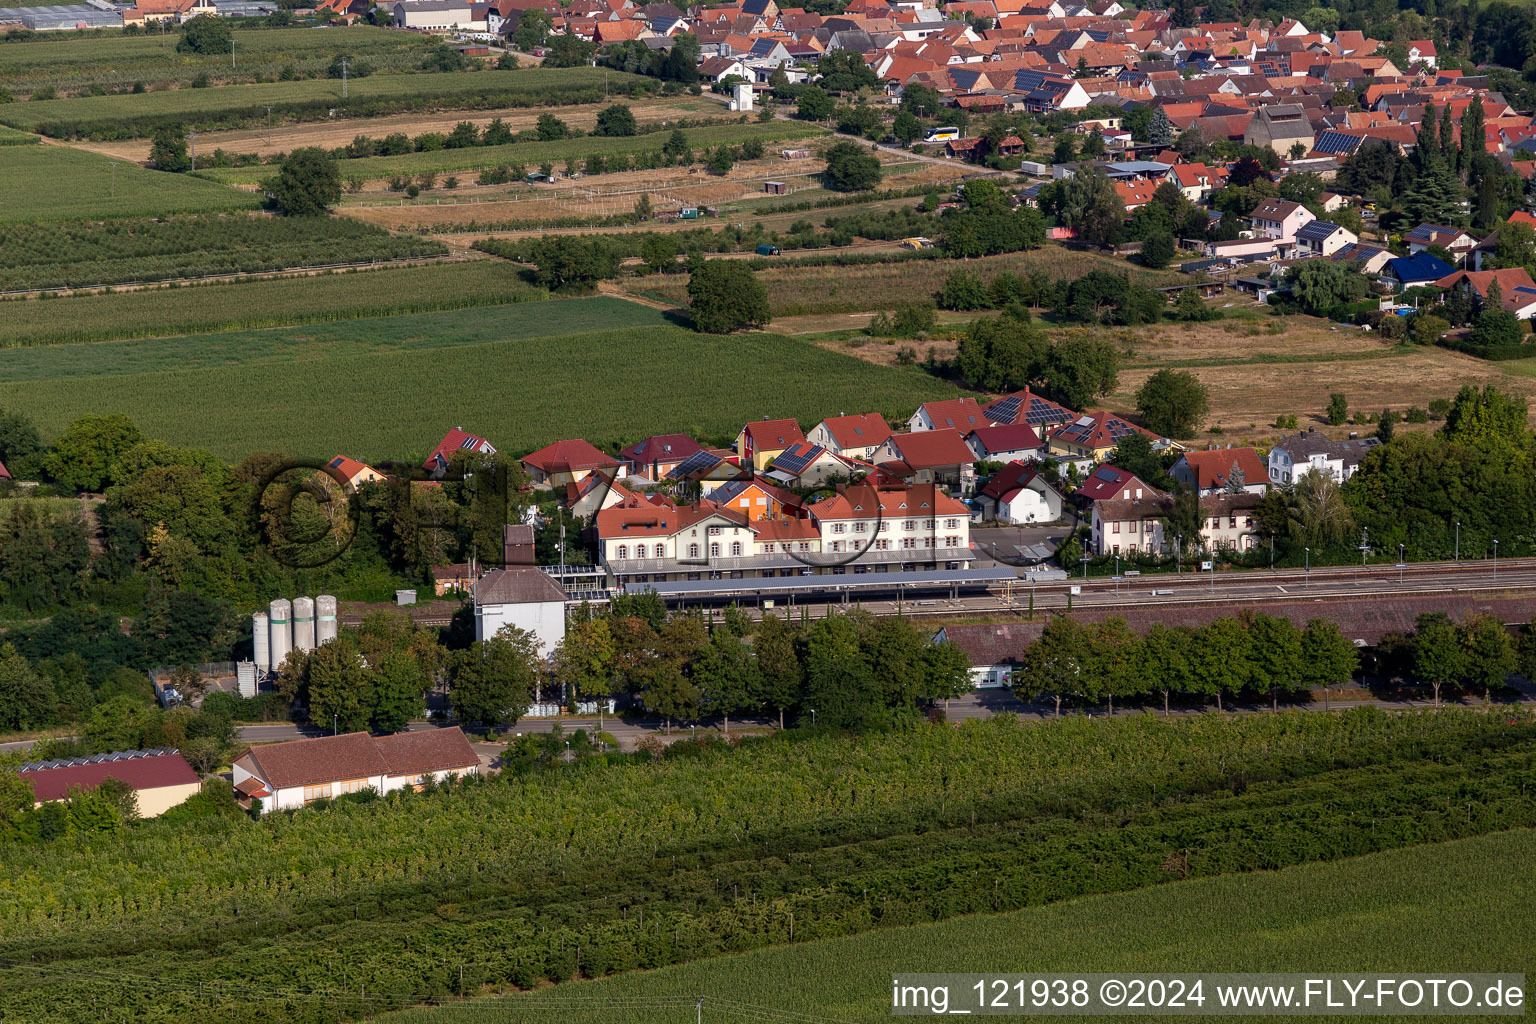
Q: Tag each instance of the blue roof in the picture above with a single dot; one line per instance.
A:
(1421, 266)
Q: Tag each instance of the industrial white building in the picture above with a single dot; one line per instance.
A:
(523, 596)
(285, 776)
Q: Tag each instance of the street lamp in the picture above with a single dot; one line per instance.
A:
(1458, 540)
(1178, 555)
(1495, 558)
(1306, 567)
(813, 717)
(1399, 563)
(1117, 574)
(1365, 545)
(1271, 550)
(333, 723)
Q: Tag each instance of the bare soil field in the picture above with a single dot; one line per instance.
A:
(491, 211)
(331, 134)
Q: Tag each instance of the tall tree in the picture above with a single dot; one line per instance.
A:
(26, 699)
(493, 681)
(1274, 656)
(1165, 660)
(396, 691)
(777, 659)
(728, 678)
(1053, 665)
(340, 694)
(839, 684)
(1490, 654)
(1438, 656)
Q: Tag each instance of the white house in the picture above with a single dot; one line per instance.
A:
(523, 596)
(1018, 493)
(1320, 238)
(286, 776)
(1129, 527)
(962, 414)
(1312, 452)
(1008, 442)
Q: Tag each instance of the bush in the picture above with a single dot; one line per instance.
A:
(964, 290)
(851, 168)
(308, 183)
(1416, 415)
(1157, 251)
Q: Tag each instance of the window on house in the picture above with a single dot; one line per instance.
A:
(351, 786)
(661, 551)
(736, 548)
(1232, 522)
(860, 527)
(909, 524)
(839, 528)
(1117, 528)
(714, 551)
(623, 551)
(317, 792)
(693, 551)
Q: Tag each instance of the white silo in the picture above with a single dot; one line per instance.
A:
(261, 650)
(281, 613)
(304, 623)
(325, 618)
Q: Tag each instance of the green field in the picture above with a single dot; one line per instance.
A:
(116, 62)
(270, 302)
(12, 137)
(625, 863)
(1422, 909)
(392, 386)
(88, 253)
(130, 116)
(531, 154)
(55, 183)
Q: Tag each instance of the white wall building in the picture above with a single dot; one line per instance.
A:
(523, 596)
(286, 776)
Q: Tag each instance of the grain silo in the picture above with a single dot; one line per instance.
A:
(325, 618)
(282, 630)
(304, 623)
(261, 649)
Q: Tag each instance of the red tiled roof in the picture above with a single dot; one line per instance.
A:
(569, 456)
(861, 430)
(1007, 437)
(453, 441)
(864, 502)
(771, 435)
(434, 750)
(960, 413)
(929, 449)
(155, 772)
(297, 763)
(1213, 468)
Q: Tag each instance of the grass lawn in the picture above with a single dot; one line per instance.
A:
(55, 183)
(1454, 906)
(521, 375)
(261, 302)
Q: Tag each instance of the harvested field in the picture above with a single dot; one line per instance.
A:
(331, 134)
(1247, 397)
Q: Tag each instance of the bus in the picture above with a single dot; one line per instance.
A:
(941, 134)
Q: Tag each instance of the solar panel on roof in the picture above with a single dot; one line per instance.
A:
(694, 466)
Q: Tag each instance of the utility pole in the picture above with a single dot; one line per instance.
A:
(698, 1011)
(343, 78)
(231, 53)
(192, 148)
(114, 179)
(269, 124)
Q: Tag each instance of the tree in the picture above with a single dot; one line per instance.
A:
(728, 678)
(339, 690)
(1338, 408)
(1438, 657)
(205, 34)
(1385, 425)
(1165, 660)
(307, 184)
(168, 150)
(83, 455)
(464, 136)
(725, 296)
(586, 660)
(1053, 665)
(1079, 370)
(572, 263)
(1173, 402)
(1425, 329)
(21, 445)
(1490, 654)
(1157, 250)
(26, 699)
(1219, 659)
(851, 168)
(1191, 308)
(397, 687)
(1328, 659)
(1246, 171)
(721, 160)
(493, 681)
(1274, 656)
(1319, 285)
(1496, 327)
(1488, 420)
(906, 128)
(814, 105)
(1111, 668)
(549, 128)
(615, 120)
(569, 51)
(779, 663)
(839, 683)
(116, 724)
(1160, 128)
(533, 29)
